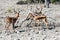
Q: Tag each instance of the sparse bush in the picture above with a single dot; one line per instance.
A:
(22, 2)
(54, 1)
(8, 10)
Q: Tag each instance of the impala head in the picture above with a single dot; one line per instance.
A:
(17, 13)
(40, 12)
(30, 14)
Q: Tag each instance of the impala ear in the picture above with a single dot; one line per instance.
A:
(40, 12)
(18, 11)
(14, 11)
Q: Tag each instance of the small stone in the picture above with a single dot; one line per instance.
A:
(28, 33)
(37, 32)
(0, 32)
(18, 39)
(31, 39)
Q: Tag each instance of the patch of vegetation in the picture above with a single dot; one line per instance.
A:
(54, 1)
(22, 2)
(30, 1)
(8, 10)
(36, 1)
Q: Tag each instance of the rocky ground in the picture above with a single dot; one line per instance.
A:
(28, 33)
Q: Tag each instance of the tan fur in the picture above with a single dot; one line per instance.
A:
(39, 17)
(11, 21)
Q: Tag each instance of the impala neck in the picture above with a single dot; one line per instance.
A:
(17, 15)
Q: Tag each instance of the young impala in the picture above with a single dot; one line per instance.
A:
(37, 18)
(11, 20)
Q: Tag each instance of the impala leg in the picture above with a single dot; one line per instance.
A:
(7, 26)
(11, 29)
(36, 23)
(46, 23)
(33, 24)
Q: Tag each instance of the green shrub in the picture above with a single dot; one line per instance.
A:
(53, 1)
(22, 2)
(58, 0)
(8, 10)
